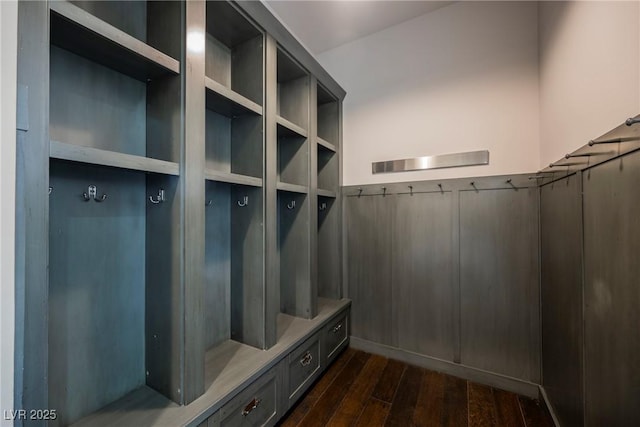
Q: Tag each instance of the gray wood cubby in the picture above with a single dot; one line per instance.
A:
(110, 271)
(328, 126)
(293, 158)
(296, 297)
(328, 247)
(234, 53)
(234, 275)
(293, 94)
(114, 109)
(168, 272)
(234, 81)
(113, 98)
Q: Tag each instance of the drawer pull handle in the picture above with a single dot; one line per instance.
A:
(306, 360)
(337, 328)
(251, 406)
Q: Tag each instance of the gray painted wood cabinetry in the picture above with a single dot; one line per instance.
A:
(199, 122)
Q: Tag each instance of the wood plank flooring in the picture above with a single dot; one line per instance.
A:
(362, 389)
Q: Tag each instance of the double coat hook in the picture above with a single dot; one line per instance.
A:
(92, 193)
(159, 198)
(291, 205)
(245, 201)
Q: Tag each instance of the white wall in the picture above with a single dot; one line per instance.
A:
(589, 72)
(462, 78)
(8, 59)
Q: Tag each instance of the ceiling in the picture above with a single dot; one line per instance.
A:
(325, 24)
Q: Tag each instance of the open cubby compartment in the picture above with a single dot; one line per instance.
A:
(293, 240)
(293, 158)
(234, 264)
(328, 248)
(293, 91)
(234, 144)
(138, 38)
(328, 117)
(95, 107)
(234, 51)
(327, 169)
(113, 270)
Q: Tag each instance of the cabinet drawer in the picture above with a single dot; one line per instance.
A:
(254, 406)
(304, 362)
(335, 334)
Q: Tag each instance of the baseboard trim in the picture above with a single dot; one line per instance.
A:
(550, 408)
(472, 374)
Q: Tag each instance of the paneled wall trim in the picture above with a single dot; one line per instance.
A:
(448, 270)
(590, 295)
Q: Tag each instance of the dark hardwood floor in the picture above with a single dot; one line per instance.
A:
(362, 389)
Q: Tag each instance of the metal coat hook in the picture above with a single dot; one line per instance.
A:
(50, 190)
(411, 189)
(441, 189)
(291, 205)
(359, 192)
(632, 121)
(473, 184)
(209, 203)
(92, 193)
(568, 156)
(245, 201)
(323, 206)
(510, 182)
(605, 141)
(158, 199)
(384, 191)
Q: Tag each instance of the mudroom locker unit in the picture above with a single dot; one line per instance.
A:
(187, 254)
(180, 162)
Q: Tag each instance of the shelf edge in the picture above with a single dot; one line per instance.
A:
(76, 153)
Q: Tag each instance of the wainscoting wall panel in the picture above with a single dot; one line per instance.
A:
(448, 270)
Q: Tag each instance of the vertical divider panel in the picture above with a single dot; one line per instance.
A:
(313, 198)
(272, 255)
(32, 207)
(193, 191)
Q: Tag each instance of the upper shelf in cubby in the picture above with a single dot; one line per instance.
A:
(325, 144)
(326, 193)
(95, 156)
(76, 30)
(288, 69)
(292, 188)
(324, 97)
(228, 25)
(225, 101)
(232, 178)
(287, 128)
